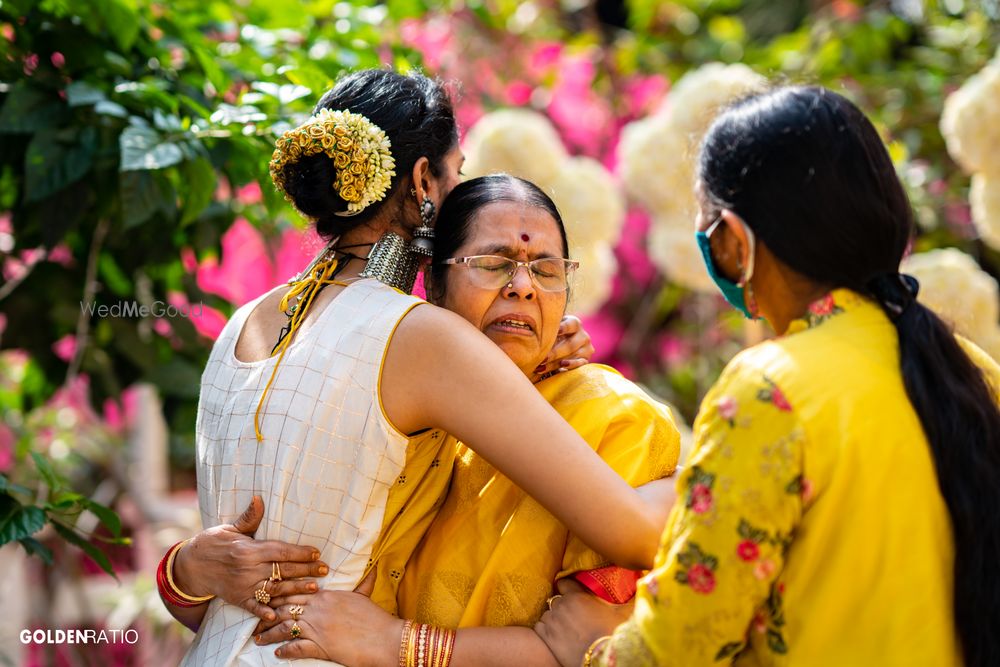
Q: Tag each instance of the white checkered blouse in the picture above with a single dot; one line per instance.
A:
(328, 458)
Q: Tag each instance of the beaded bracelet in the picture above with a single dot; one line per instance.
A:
(165, 582)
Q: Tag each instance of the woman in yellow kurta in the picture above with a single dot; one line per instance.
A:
(840, 506)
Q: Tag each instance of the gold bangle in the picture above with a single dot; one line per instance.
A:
(404, 643)
(170, 577)
(589, 655)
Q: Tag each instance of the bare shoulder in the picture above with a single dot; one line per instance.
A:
(434, 328)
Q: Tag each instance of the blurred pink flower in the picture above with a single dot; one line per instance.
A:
(467, 112)
(418, 287)
(222, 190)
(61, 254)
(674, 350)
(245, 271)
(5, 225)
(162, 327)
(75, 396)
(8, 32)
(65, 348)
(32, 256)
(605, 333)
(206, 320)
(431, 37)
(633, 260)
(58, 60)
(13, 269)
(120, 414)
(188, 260)
(544, 58)
(249, 193)
(645, 93)
(30, 64)
(295, 250)
(7, 441)
(581, 115)
(519, 93)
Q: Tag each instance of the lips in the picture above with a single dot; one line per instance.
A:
(514, 323)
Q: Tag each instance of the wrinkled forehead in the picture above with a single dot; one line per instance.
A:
(514, 229)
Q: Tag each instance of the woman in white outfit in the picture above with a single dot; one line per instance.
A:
(310, 393)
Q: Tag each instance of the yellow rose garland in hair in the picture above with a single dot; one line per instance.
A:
(360, 151)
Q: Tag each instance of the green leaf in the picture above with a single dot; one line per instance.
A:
(25, 521)
(143, 149)
(681, 577)
(81, 93)
(88, 547)
(141, 197)
(27, 109)
(109, 108)
(36, 548)
(177, 378)
(120, 20)
(106, 515)
(47, 472)
(711, 562)
(199, 175)
(50, 164)
(113, 276)
(7, 486)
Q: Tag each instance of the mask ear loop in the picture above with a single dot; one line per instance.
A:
(747, 275)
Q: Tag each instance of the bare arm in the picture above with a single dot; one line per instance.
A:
(441, 372)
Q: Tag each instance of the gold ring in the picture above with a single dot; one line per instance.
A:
(261, 593)
(295, 611)
(275, 572)
(295, 631)
(552, 599)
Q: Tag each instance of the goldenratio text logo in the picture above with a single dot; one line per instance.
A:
(136, 309)
(78, 636)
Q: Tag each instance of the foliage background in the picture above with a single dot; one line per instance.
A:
(134, 138)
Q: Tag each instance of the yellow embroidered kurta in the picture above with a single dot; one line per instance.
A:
(809, 528)
(492, 554)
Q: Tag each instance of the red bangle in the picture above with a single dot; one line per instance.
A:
(165, 585)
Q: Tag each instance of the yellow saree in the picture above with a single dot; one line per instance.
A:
(491, 555)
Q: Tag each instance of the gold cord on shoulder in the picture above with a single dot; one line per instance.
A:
(303, 291)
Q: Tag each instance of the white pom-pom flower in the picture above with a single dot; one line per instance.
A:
(593, 281)
(657, 157)
(590, 202)
(984, 197)
(519, 142)
(970, 122)
(954, 286)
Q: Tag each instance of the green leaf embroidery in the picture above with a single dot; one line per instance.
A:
(776, 642)
(729, 650)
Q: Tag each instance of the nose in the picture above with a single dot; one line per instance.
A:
(521, 285)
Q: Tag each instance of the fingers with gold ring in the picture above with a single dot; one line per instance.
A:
(552, 599)
(275, 572)
(261, 594)
(295, 611)
(295, 631)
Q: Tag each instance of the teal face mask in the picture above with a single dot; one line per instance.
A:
(735, 293)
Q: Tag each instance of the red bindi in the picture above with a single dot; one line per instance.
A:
(525, 238)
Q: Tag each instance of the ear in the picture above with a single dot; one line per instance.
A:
(422, 181)
(736, 243)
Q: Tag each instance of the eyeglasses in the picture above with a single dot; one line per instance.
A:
(550, 274)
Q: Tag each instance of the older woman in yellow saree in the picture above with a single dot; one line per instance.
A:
(492, 554)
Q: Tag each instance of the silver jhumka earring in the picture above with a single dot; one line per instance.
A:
(423, 236)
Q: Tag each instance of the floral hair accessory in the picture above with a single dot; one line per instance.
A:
(360, 151)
